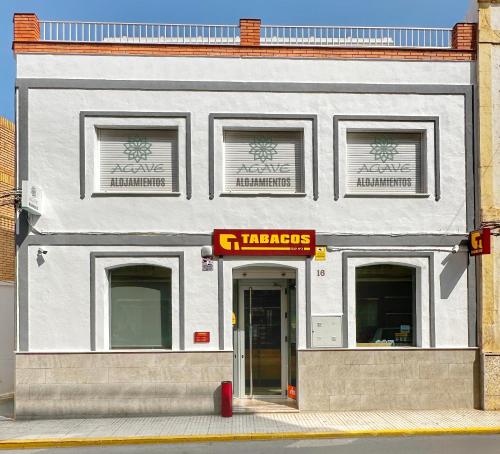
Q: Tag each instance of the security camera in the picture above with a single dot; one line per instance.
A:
(455, 249)
(41, 251)
(207, 251)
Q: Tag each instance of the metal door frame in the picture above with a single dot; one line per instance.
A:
(240, 385)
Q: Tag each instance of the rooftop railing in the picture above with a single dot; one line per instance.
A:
(270, 35)
(136, 33)
(281, 35)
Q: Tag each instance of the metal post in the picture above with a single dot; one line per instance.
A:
(250, 333)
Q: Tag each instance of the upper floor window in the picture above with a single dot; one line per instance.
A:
(263, 161)
(138, 160)
(141, 307)
(383, 162)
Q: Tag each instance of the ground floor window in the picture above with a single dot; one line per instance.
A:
(141, 307)
(385, 306)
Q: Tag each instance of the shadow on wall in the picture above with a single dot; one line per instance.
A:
(453, 270)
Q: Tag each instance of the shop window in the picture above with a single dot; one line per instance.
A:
(264, 161)
(385, 306)
(385, 163)
(141, 307)
(138, 160)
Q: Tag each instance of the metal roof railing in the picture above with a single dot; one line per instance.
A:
(401, 37)
(270, 35)
(135, 33)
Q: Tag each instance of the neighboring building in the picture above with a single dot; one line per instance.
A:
(146, 139)
(489, 170)
(7, 257)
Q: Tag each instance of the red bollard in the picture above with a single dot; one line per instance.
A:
(226, 404)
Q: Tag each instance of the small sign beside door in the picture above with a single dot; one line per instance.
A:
(480, 242)
(201, 337)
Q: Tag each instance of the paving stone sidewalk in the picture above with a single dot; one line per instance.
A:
(248, 424)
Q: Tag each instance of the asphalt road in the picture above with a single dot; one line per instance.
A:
(457, 444)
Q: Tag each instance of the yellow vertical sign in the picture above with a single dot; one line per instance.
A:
(320, 254)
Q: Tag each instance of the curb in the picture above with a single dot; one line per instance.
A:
(170, 439)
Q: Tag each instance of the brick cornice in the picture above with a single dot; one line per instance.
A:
(40, 47)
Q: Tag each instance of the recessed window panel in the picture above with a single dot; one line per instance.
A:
(138, 160)
(384, 163)
(263, 161)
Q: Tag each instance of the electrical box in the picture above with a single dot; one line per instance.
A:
(326, 331)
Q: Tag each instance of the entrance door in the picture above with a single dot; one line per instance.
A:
(263, 352)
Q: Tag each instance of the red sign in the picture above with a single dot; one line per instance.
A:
(264, 242)
(201, 337)
(480, 242)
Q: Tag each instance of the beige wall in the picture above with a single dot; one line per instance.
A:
(120, 384)
(489, 174)
(341, 380)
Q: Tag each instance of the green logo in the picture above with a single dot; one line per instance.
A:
(384, 149)
(137, 148)
(263, 149)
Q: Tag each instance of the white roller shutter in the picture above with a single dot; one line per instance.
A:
(384, 162)
(134, 160)
(264, 161)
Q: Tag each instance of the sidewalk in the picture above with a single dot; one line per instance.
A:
(177, 429)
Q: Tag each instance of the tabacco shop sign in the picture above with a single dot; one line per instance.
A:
(264, 242)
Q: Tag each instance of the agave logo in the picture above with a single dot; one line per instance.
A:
(137, 148)
(263, 149)
(383, 149)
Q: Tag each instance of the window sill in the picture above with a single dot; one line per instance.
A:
(388, 195)
(135, 194)
(262, 194)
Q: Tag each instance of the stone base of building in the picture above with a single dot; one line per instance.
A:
(119, 384)
(491, 380)
(342, 380)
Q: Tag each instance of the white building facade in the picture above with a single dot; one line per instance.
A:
(122, 308)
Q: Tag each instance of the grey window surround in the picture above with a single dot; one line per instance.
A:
(260, 116)
(387, 118)
(124, 255)
(186, 116)
(385, 255)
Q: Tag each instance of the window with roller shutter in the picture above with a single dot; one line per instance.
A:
(385, 163)
(138, 160)
(260, 162)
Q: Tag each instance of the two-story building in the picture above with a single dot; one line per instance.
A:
(281, 207)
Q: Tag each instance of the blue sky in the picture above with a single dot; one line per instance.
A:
(424, 13)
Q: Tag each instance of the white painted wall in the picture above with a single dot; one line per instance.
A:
(243, 69)
(7, 337)
(59, 295)
(54, 151)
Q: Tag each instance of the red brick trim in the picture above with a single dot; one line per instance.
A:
(244, 51)
(27, 40)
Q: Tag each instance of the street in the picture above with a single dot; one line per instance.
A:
(483, 444)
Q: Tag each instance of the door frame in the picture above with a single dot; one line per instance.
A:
(258, 284)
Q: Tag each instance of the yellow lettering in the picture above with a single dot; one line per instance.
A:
(254, 238)
(264, 238)
(244, 237)
(285, 238)
(305, 239)
(275, 239)
(295, 239)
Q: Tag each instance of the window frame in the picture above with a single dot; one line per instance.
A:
(100, 295)
(258, 130)
(92, 121)
(261, 121)
(430, 125)
(423, 262)
(424, 186)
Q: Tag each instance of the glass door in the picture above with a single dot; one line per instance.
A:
(264, 356)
